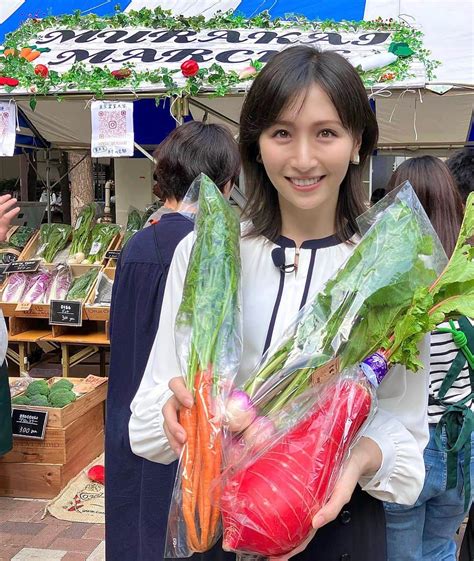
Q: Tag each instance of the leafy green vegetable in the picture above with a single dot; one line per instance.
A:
(21, 400)
(61, 398)
(357, 308)
(134, 224)
(21, 236)
(53, 238)
(206, 317)
(81, 285)
(102, 235)
(37, 387)
(81, 236)
(62, 384)
(450, 296)
(40, 400)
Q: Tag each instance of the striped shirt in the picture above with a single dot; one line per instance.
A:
(443, 352)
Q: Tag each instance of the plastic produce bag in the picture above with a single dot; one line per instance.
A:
(81, 236)
(101, 237)
(309, 430)
(208, 344)
(53, 238)
(103, 290)
(60, 284)
(38, 287)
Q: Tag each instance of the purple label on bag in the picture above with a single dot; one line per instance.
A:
(377, 366)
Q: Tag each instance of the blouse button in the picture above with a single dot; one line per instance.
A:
(345, 516)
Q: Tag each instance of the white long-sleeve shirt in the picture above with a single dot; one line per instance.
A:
(270, 300)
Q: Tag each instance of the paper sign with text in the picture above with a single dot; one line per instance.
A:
(112, 129)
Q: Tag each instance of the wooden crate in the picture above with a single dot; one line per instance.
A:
(60, 445)
(62, 417)
(98, 313)
(46, 481)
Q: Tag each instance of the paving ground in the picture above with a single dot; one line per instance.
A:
(26, 536)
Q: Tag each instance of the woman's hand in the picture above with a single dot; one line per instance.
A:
(365, 459)
(8, 211)
(182, 397)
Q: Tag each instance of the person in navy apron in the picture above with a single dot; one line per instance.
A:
(306, 132)
(8, 211)
(426, 530)
(138, 491)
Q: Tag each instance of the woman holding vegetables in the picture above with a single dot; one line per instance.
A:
(137, 491)
(306, 132)
(426, 530)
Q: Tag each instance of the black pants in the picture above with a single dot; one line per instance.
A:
(6, 441)
(358, 534)
(467, 547)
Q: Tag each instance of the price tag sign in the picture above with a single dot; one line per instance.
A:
(112, 254)
(23, 307)
(30, 266)
(29, 424)
(64, 312)
(3, 276)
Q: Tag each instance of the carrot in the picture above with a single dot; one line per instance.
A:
(8, 52)
(203, 398)
(187, 419)
(32, 56)
(25, 51)
(216, 492)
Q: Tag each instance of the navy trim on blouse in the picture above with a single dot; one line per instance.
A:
(268, 340)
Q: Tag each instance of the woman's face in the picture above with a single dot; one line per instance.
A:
(306, 153)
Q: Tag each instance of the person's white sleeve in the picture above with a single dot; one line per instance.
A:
(147, 437)
(400, 428)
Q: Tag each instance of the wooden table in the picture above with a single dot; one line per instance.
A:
(23, 340)
(93, 342)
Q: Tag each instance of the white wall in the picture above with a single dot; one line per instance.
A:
(133, 185)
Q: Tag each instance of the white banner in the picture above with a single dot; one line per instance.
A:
(7, 127)
(112, 129)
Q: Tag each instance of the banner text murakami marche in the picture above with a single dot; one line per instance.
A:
(148, 48)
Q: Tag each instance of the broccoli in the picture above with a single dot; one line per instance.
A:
(40, 400)
(37, 387)
(62, 384)
(20, 400)
(61, 398)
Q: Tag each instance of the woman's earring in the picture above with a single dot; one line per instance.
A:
(356, 159)
(259, 158)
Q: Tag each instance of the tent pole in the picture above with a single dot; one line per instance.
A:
(207, 109)
(48, 186)
(144, 152)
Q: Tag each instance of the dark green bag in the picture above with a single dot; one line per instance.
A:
(6, 440)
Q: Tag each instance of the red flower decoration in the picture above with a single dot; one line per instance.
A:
(41, 70)
(387, 76)
(189, 68)
(8, 81)
(97, 474)
(121, 74)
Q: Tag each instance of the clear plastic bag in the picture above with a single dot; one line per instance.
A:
(292, 424)
(208, 345)
(276, 484)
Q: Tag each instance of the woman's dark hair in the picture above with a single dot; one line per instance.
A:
(461, 165)
(191, 149)
(435, 188)
(288, 75)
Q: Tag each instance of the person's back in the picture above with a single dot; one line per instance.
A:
(138, 491)
(425, 531)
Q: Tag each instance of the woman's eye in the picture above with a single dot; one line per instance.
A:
(326, 133)
(281, 134)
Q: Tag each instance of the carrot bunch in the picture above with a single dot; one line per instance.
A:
(208, 343)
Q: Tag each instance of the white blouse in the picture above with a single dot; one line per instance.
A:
(270, 300)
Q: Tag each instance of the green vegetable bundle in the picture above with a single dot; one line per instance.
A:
(39, 393)
(81, 237)
(359, 306)
(102, 235)
(81, 286)
(134, 223)
(53, 238)
(21, 237)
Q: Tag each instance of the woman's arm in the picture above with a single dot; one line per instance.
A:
(400, 429)
(147, 435)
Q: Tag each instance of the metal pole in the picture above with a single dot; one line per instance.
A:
(48, 186)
